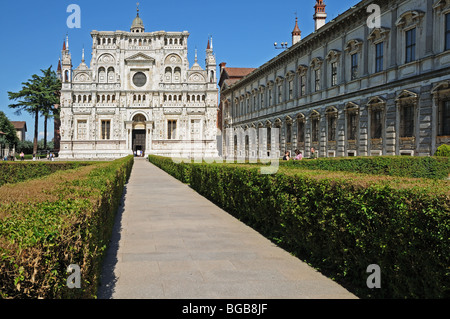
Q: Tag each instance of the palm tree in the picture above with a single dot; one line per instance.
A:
(38, 95)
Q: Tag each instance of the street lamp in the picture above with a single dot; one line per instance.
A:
(284, 46)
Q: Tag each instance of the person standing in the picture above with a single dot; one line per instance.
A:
(298, 155)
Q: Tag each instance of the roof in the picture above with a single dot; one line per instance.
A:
(19, 125)
(238, 72)
(229, 76)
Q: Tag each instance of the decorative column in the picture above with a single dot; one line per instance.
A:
(149, 139)
(129, 130)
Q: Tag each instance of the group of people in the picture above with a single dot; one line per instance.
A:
(298, 155)
(50, 156)
(138, 153)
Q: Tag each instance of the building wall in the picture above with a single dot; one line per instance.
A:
(106, 91)
(352, 105)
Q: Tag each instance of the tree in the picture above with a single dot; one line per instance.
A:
(53, 86)
(9, 135)
(38, 95)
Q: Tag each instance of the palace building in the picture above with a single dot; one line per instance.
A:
(138, 94)
(353, 87)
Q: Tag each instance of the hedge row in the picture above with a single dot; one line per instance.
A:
(39, 239)
(341, 225)
(14, 172)
(415, 167)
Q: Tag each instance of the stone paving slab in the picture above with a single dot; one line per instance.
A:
(171, 243)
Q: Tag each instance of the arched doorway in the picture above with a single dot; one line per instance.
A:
(139, 137)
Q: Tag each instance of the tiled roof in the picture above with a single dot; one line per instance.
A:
(19, 125)
(238, 72)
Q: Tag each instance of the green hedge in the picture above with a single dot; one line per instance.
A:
(416, 167)
(340, 223)
(14, 172)
(443, 150)
(179, 169)
(39, 240)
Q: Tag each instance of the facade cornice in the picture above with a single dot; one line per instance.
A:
(347, 20)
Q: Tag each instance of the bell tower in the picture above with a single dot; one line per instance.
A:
(211, 64)
(66, 65)
(320, 15)
(296, 34)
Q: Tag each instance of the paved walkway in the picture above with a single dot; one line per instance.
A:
(171, 243)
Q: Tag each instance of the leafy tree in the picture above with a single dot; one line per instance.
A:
(38, 95)
(6, 127)
(53, 85)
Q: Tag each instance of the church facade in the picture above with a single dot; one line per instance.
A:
(351, 88)
(139, 94)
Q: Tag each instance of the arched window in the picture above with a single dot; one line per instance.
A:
(111, 75)
(168, 73)
(177, 74)
(102, 75)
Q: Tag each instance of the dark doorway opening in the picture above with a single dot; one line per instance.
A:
(139, 141)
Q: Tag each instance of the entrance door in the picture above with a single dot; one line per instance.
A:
(139, 141)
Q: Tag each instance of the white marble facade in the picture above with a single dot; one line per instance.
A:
(139, 93)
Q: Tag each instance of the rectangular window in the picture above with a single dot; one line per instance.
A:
(332, 128)
(317, 80)
(354, 66)
(262, 99)
(106, 130)
(410, 45)
(270, 97)
(352, 126)
(280, 93)
(315, 129)
(82, 130)
(376, 124)
(303, 85)
(171, 130)
(444, 119)
(407, 121)
(300, 133)
(447, 31)
(291, 90)
(195, 130)
(333, 73)
(288, 133)
(379, 57)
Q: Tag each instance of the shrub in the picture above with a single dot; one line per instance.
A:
(41, 238)
(443, 150)
(14, 172)
(416, 167)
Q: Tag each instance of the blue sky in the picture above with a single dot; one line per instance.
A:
(33, 32)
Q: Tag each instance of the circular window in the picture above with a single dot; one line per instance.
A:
(139, 79)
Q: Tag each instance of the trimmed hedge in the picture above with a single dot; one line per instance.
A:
(39, 240)
(415, 167)
(179, 169)
(14, 172)
(340, 223)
